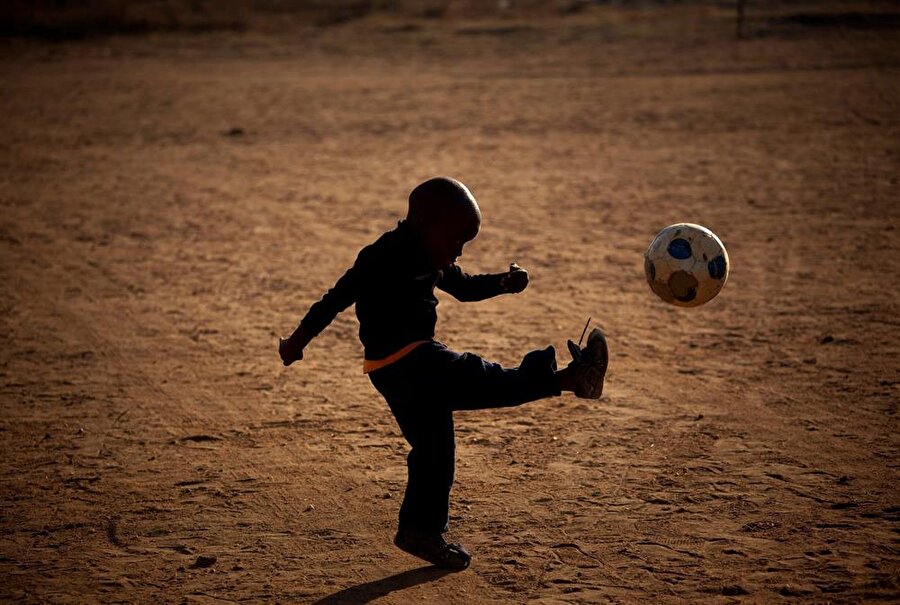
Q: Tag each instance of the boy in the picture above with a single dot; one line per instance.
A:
(392, 284)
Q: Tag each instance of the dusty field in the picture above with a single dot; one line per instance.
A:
(746, 451)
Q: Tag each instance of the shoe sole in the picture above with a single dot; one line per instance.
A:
(603, 351)
(599, 352)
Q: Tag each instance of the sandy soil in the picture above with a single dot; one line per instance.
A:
(153, 449)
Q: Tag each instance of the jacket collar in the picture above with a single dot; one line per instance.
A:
(414, 247)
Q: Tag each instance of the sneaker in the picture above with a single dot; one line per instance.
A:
(433, 548)
(590, 365)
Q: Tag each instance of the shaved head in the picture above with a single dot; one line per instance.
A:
(440, 200)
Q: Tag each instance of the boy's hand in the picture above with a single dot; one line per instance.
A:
(516, 280)
(291, 348)
(289, 351)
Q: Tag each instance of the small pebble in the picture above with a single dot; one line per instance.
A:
(733, 590)
(204, 561)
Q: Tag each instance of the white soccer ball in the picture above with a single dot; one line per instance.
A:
(686, 265)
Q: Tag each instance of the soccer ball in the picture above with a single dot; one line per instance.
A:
(686, 265)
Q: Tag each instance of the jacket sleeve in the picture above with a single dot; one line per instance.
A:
(343, 294)
(470, 288)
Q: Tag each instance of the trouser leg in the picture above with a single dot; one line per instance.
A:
(473, 383)
(430, 464)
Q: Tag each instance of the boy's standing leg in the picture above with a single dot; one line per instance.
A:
(428, 428)
(426, 422)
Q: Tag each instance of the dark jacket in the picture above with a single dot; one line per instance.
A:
(392, 284)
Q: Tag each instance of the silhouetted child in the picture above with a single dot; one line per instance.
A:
(392, 284)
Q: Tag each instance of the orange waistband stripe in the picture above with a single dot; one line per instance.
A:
(370, 365)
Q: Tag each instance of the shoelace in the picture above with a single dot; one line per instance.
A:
(583, 332)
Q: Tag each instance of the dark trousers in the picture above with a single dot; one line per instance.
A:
(423, 389)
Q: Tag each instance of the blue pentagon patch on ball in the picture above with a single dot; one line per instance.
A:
(717, 267)
(679, 248)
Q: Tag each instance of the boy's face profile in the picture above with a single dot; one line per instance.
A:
(446, 215)
(444, 239)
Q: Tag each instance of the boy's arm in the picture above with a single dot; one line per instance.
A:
(343, 294)
(469, 288)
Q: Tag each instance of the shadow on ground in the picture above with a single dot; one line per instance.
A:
(368, 592)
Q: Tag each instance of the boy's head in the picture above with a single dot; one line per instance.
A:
(444, 212)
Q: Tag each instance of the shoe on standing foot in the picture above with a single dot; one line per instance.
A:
(433, 548)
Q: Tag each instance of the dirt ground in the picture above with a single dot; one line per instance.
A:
(171, 203)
